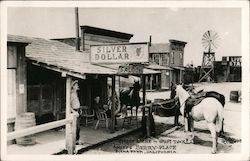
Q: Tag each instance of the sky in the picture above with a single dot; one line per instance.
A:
(184, 24)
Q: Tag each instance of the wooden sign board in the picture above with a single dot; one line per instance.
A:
(127, 69)
(119, 53)
(235, 61)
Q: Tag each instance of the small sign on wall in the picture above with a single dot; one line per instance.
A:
(21, 88)
(235, 61)
(130, 69)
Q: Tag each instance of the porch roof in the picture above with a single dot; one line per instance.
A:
(59, 57)
(178, 68)
(158, 67)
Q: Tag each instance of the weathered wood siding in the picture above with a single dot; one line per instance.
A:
(92, 39)
(176, 55)
(17, 81)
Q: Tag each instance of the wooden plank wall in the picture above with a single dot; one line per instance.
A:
(21, 79)
(91, 39)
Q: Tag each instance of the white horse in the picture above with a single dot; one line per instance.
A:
(209, 109)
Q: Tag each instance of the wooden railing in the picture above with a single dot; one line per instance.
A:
(70, 131)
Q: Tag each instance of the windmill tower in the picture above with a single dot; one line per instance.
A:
(210, 42)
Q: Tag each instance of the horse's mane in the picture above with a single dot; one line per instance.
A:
(181, 92)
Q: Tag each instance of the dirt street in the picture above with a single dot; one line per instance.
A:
(169, 140)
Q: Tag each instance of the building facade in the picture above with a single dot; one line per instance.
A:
(229, 69)
(96, 36)
(171, 57)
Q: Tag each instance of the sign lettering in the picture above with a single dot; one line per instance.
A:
(235, 61)
(130, 69)
(120, 53)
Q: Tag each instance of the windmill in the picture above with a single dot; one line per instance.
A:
(210, 42)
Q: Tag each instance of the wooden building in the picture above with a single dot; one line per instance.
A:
(228, 70)
(96, 36)
(16, 79)
(169, 57)
(49, 63)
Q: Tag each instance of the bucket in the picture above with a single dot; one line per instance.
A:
(234, 96)
(23, 121)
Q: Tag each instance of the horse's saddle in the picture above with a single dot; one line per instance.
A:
(197, 98)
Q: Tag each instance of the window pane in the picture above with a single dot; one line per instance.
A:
(165, 59)
(156, 58)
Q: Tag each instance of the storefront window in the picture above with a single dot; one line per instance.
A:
(156, 58)
(165, 59)
(181, 58)
(172, 57)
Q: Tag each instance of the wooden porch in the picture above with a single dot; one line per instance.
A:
(53, 141)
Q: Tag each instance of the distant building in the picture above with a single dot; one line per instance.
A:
(169, 56)
(165, 58)
(229, 69)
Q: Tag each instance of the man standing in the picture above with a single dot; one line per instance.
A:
(75, 107)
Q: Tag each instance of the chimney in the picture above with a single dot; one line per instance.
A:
(150, 40)
(77, 29)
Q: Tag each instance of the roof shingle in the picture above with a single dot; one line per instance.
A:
(60, 55)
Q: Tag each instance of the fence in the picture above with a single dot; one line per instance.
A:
(70, 131)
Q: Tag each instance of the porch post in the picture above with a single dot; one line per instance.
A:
(112, 129)
(151, 82)
(143, 94)
(69, 138)
(180, 76)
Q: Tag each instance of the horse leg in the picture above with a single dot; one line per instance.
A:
(221, 132)
(220, 122)
(124, 114)
(186, 123)
(191, 121)
(190, 130)
(136, 112)
(212, 129)
(176, 118)
(186, 129)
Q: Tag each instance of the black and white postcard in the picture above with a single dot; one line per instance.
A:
(125, 80)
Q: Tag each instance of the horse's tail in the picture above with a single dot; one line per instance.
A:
(220, 120)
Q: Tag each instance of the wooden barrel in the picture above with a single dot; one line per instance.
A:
(234, 96)
(23, 121)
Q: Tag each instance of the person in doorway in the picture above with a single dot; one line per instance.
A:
(75, 108)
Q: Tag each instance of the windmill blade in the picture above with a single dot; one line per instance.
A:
(214, 44)
(208, 32)
(210, 40)
(215, 36)
(205, 36)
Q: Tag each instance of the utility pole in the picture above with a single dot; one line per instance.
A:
(77, 29)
